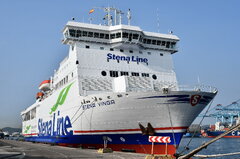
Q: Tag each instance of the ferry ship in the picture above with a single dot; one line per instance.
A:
(116, 86)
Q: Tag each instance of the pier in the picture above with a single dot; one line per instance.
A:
(29, 150)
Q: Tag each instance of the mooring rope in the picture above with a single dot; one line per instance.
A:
(174, 140)
(217, 155)
(186, 147)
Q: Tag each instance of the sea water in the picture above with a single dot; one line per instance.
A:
(221, 146)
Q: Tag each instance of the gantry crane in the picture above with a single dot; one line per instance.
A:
(225, 114)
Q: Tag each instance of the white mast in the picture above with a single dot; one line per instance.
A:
(129, 17)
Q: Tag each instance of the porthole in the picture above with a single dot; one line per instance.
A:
(104, 73)
(154, 77)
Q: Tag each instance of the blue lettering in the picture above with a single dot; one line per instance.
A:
(63, 125)
(126, 58)
(49, 127)
(67, 124)
(109, 56)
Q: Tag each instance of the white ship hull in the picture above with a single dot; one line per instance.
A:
(116, 116)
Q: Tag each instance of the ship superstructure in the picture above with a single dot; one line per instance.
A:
(116, 80)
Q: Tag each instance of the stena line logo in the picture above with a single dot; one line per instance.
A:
(57, 125)
(127, 58)
(61, 98)
(194, 100)
(27, 129)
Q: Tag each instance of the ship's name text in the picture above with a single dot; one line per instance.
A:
(105, 103)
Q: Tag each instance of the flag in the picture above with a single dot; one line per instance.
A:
(92, 10)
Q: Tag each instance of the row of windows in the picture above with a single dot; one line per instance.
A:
(121, 50)
(129, 36)
(124, 73)
(64, 80)
(29, 115)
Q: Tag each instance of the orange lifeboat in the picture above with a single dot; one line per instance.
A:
(45, 85)
(39, 95)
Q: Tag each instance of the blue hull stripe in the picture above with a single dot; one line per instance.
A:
(98, 139)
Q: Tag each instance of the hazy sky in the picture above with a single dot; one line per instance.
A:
(30, 43)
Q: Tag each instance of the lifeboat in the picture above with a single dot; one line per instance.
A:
(45, 85)
(39, 95)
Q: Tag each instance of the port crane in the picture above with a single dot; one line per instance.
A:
(225, 114)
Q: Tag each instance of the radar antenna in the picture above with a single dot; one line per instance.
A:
(109, 18)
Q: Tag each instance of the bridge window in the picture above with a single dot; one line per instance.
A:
(101, 35)
(158, 42)
(96, 35)
(141, 38)
(125, 35)
(149, 41)
(90, 34)
(106, 36)
(173, 44)
(112, 36)
(163, 43)
(113, 73)
(118, 35)
(144, 41)
(84, 33)
(135, 36)
(168, 44)
(130, 37)
(79, 33)
(154, 42)
(72, 32)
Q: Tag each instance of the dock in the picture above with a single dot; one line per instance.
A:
(29, 150)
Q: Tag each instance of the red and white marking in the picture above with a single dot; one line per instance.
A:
(161, 139)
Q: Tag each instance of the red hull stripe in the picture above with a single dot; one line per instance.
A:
(124, 130)
(30, 134)
(225, 136)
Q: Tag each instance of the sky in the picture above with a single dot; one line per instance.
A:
(30, 43)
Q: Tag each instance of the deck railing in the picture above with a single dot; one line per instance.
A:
(198, 87)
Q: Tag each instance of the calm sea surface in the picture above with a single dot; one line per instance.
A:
(224, 145)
